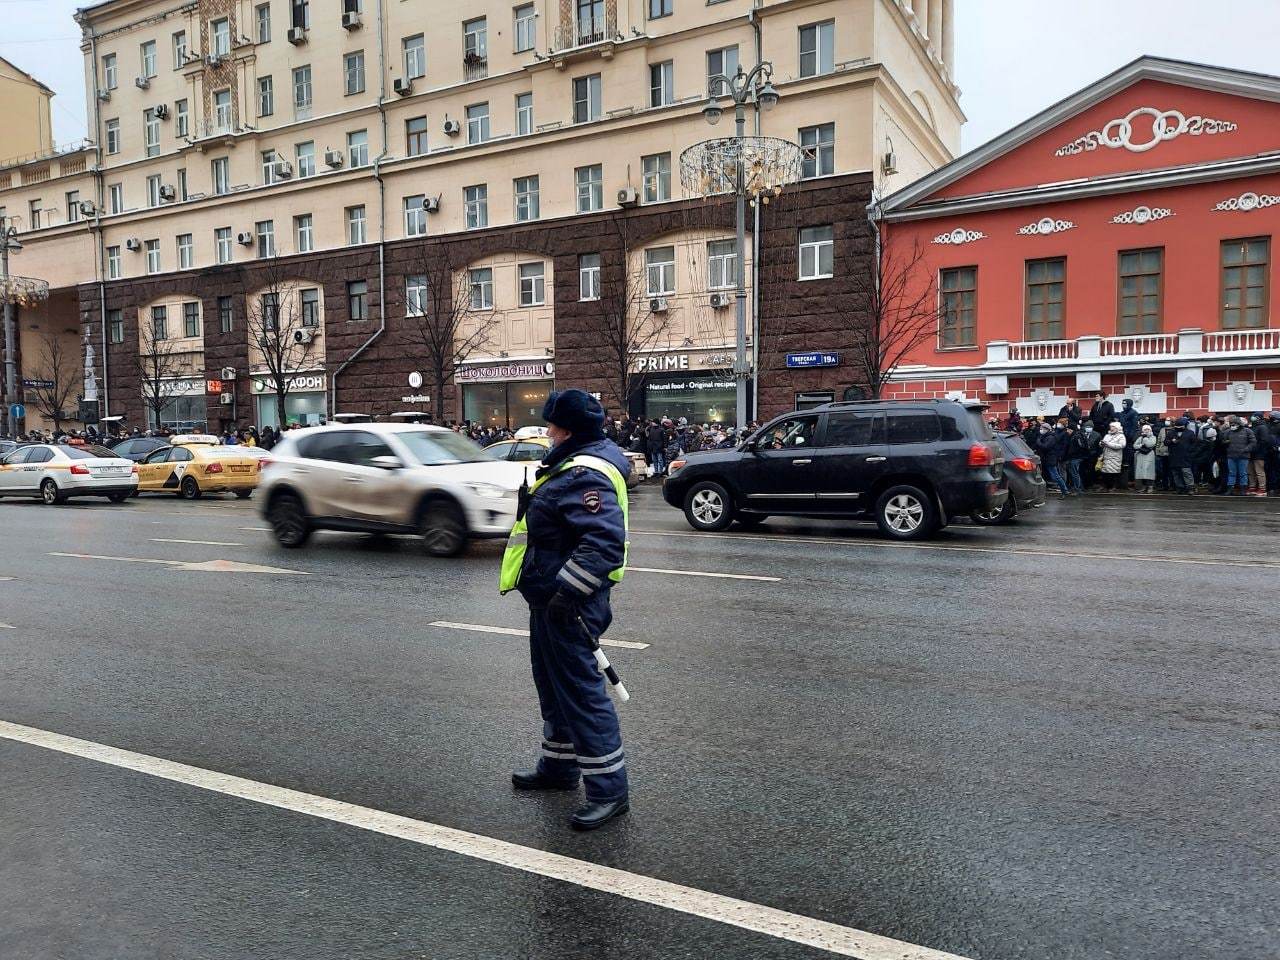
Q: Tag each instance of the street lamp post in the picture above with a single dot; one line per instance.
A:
(8, 241)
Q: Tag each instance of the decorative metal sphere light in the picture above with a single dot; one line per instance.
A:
(767, 96)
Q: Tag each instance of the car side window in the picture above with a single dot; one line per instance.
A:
(855, 428)
(40, 455)
(180, 455)
(529, 452)
(914, 426)
(156, 456)
(361, 447)
(788, 434)
(18, 457)
(322, 446)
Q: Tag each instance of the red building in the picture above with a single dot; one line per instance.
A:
(1123, 240)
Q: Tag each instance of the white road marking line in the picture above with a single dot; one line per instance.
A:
(203, 566)
(770, 921)
(1021, 551)
(7, 626)
(703, 573)
(514, 632)
(7, 578)
(203, 543)
(94, 556)
(257, 529)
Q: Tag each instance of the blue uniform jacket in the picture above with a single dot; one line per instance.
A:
(577, 534)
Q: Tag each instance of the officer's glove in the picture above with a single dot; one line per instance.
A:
(562, 608)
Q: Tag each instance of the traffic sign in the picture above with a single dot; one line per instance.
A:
(17, 411)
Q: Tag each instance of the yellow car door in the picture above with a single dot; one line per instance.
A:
(154, 470)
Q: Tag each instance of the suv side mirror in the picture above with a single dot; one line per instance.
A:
(387, 462)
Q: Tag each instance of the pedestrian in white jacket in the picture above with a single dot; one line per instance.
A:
(1113, 444)
(1144, 459)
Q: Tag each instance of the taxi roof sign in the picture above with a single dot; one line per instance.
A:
(192, 438)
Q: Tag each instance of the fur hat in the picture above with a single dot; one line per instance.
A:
(574, 410)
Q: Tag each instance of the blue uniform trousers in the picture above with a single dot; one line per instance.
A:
(580, 732)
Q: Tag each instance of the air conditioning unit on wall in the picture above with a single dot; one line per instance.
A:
(658, 305)
(721, 300)
(452, 127)
(303, 336)
(431, 204)
(628, 197)
(297, 35)
(351, 20)
(228, 399)
(402, 86)
(333, 158)
(245, 239)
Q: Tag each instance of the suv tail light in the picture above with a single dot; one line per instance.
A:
(1024, 464)
(213, 468)
(80, 470)
(980, 455)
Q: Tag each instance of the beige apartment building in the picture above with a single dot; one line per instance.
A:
(329, 154)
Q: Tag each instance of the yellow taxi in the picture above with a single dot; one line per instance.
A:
(196, 464)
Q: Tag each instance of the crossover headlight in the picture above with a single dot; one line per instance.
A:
(487, 490)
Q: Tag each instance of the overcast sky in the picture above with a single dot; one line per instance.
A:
(1015, 57)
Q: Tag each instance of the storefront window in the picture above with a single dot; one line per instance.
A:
(183, 414)
(515, 403)
(307, 409)
(700, 399)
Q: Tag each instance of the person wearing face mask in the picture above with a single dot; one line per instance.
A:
(1091, 442)
(1240, 446)
(1163, 480)
(1113, 446)
(1144, 459)
(1051, 444)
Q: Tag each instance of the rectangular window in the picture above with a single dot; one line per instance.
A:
(73, 206)
(817, 48)
(186, 252)
(300, 14)
(153, 256)
(305, 155)
(591, 22)
(586, 98)
(355, 225)
(269, 304)
(353, 70)
(115, 198)
(222, 110)
(475, 205)
(722, 264)
(524, 114)
(819, 147)
(266, 233)
(1141, 307)
(415, 56)
(358, 148)
(113, 263)
(153, 190)
(226, 318)
(182, 183)
(526, 27)
(304, 233)
(310, 307)
(110, 72)
(148, 51)
(266, 96)
(527, 200)
(958, 325)
(33, 212)
(150, 133)
(589, 276)
(357, 301)
(661, 83)
(160, 323)
(181, 119)
(222, 244)
(262, 21)
(115, 324)
(302, 92)
(659, 9)
(415, 295)
(191, 319)
(481, 280)
(817, 252)
(113, 136)
(1045, 298)
(475, 39)
(657, 177)
(179, 49)
(353, 6)
(415, 217)
(221, 168)
(220, 37)
(722, 62)
(533, 292)
(1245, 291)
(268, 158)
(589, 182)
(478, 123)
(415, 136)
(660, 271)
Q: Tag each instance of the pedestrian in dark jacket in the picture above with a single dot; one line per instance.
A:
(1051, 444)
(1101, 413)
(1240, 441)
(1181, 443)
(1072, 412)
(1258, 459)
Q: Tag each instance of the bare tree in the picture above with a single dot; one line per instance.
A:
(57, 375)
(444, 322)
(282, 328)
(158, 364)
(628, 328)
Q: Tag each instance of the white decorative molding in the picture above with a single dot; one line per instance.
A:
(1045, 226)
(1248, 202)
(1043, 402)
(1240, 396)
(1165, 125)
(1142, 215)
(960, 235)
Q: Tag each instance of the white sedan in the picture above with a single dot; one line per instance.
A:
(54, 472)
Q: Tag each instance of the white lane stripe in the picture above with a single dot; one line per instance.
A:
(1263, 564)
(703, 573)
(513, 632)
(791, 927)
(7, 626)
(203, 543)
(94, 556)
(257, 529)
(7, 578)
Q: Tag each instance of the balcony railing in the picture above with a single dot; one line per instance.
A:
(1190, 344)
(585, 32)
(1043, 350)
(475, 67)
(1235, 341)
(1142, 345)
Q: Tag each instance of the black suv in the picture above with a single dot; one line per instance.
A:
(911, 464)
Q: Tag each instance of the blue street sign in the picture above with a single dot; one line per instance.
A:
(17, 411)
(813, 359)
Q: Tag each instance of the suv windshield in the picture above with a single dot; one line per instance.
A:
(435, 447)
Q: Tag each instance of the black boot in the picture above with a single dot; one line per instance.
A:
(536, 780)
(595, 814)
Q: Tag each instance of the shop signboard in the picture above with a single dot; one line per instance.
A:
(517, 370)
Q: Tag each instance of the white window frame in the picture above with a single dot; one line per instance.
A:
(660, 270)
(153, 190)
(262, 22)
(302, 92)
(414, 49)
(186, 251)
(415, 295)
(588, 184)
(220, 37)
(815, 149)
(113, 263)
(475, 37)
(656, 177)
(115, 198)
(524, 114)
(478, 129)
(725, 55)
(357, 148)
(589, 276)
(480, 281)
(265, 233)
(181, 118)
(357, 225)
(722, 264)
(662, 81)
(415, 217)
(475, 206)
(525, 17)
(220, 175)
(588, 98)
(110, 71)
(150, 133)
(147, 55)
(304, 155)
(266, 96)
(113, 136)
(822, 51)
(223, 251)
(353, 73)
(152, 248)
(528, 200)
(533, 283)
(222, 110)
(304, 232)
(179, 49)
(813, 249)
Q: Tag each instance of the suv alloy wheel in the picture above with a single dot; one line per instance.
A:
(905, 512)
(288, 521)
(708, 506)
(443, 528)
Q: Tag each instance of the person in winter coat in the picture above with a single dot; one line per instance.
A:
(1241, 443)
(1258, 459)
(1144, 459)
(1113, 444)
(1102, 412)
(1163, 479)
(1051, 444)
(1072, 412)
(1180, 440)
(1078, 452)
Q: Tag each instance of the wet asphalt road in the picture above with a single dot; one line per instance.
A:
(1051, 741)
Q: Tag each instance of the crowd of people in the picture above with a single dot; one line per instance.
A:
(1230, 455)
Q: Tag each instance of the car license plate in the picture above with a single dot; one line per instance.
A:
(110, 471)
(241, 469)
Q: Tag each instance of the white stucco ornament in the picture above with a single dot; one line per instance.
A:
(1248, 202)
(1166, 125)
(1045, 226)
(960, 235)
(1141, 215)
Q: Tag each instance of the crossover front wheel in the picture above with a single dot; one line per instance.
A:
(288, 521)
(443, 528)
(708, 506)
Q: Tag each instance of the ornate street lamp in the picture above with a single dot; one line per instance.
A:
(14, 291)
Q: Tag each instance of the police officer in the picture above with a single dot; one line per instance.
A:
(566, 551)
